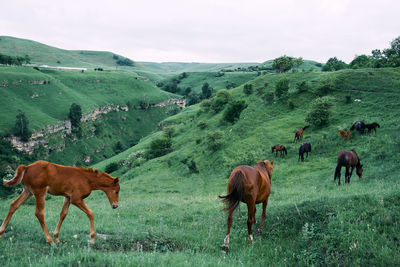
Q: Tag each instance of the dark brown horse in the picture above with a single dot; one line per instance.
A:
(280, 148)
(251, 185)
(349, 159)
(372, 126)
(73, 183)
(345, 134)
(299, 133)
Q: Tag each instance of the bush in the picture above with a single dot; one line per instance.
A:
(136, 159)
(269, 97)
(248, 89)
(160, 147)
(348, 99)
(320, 111)
(281, 87)
(302, 87)
(327, 85)
(291, 104)
(220, 100)
(232, 112)
(112, 167)
(169, 131)
(202, 124)
(205, 105)
(214, 140)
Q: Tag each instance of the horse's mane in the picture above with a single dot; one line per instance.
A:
(95, 171)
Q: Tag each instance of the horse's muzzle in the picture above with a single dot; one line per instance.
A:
(114, 206)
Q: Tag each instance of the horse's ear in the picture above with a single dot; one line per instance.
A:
(116, 180)
(272, 162)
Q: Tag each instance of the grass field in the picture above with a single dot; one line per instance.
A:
(170, 215)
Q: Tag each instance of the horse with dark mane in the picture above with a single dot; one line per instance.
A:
(73, 183)
(299, 133)
(251, 185)
(304, 148)
(280, 148)
(359, 126)
(349, 159)
(345, 134)
(372, 126)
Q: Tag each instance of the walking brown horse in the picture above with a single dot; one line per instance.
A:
(299, 133)
(251, 185)
(345, 134)
(349, 159)
(73, 183)
(280, 148)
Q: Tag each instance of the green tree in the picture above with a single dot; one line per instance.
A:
(206, 90)
(21, 127)
(233, 111)
(248, 89)
(281, 87)
(362, 61)
(334, 64)
(220, 100)
(75, 115)
(214, 140)
(320, 111)
(160, 147)
(297, 62)
(283, 64)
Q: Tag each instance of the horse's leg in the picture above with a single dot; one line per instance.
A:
(80, 204)
(346, 175)
(225, 246)
(63, 214)
(39, 212)
(250, 219)
(263, 216)
(351, 172)
(13, 207)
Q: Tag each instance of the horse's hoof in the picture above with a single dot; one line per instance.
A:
(259, 231)
(224, 249)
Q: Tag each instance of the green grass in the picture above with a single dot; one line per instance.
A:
(176, 217)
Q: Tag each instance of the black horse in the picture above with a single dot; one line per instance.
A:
(372, 126)
(359, 126)
(304, 148)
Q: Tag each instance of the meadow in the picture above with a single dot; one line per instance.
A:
(170, 213)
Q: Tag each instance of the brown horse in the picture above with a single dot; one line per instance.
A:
(299, 133)
(345, 134)
(73, 183)
(280, 148)
(349, 159)
(251, 185)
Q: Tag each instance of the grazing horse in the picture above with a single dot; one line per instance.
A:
(280, 148)
(349, 159)
(73, 183)
(345, 134)
(299, 133)
(372, 126)
(304, 148)
(359, 126)
(251, 185)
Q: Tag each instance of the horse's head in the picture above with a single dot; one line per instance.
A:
(272, 149)
(359, 171)
(268, 165)
(112, 192)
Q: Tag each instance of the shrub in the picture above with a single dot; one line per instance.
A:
(281, 87)
(302, 87)
(232, 112)
(160, 147)
(269, 97)
(136, 159)
(248, 89)
(320, 111)
(202, 124)
(21, 127)
(112, 167)
(291, 104)
(214, 140)
(220, 100)
(348, 99)
(169, 131)
(205, 105)
(327, 85)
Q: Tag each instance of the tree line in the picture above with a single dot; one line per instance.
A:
(14, 60)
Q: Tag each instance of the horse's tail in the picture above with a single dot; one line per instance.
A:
(284, 150)
(305, 127)
(232, 200)
(339, 166)
(19, 175)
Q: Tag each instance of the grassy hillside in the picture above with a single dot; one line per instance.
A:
(195, 80)
(47, 103)
(170, 215)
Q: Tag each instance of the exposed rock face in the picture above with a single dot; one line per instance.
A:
(63, 128)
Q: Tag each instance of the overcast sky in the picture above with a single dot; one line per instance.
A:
(207, 30)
